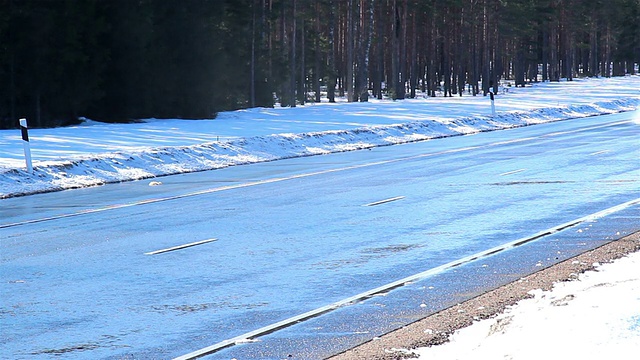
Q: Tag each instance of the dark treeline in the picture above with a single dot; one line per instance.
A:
(119, 60)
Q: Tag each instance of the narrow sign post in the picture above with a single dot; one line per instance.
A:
(25, 142)
(493, 104)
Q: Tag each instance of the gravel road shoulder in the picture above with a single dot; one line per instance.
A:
(436, 329)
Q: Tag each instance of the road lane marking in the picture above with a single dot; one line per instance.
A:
(384, 201)
(179, 247)
(304, 175)
(402, 282)
(238, 186)
(513, 172)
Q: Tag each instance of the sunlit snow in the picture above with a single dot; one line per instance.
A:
(95, 153)
(594, 317)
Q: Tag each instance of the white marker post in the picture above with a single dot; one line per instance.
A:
(493, 104)
(25, 142)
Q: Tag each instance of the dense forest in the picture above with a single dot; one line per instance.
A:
(120, 60)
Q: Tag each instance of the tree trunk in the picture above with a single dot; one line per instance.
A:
(401, 86)
(378, 75)
(486, 54)
(252, 86)
(395, 50)
(349, 62)
(553, 53)
(302, 82)
(316, 46)
(331, 73)
(292, 74)
(519, 66)
(432, 72)
(366, 33)
(414, 58)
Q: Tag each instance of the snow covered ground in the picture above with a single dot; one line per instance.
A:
(95, 153)
(595, 317)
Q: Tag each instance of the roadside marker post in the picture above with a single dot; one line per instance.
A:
(493, 104)
(25, 142)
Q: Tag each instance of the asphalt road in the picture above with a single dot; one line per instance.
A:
(138, 271)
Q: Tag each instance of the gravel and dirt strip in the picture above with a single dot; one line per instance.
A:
(436, 328)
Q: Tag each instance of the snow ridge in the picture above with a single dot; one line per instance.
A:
(113, 167)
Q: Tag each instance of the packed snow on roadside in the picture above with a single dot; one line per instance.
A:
(596, 317)
(96, 153)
